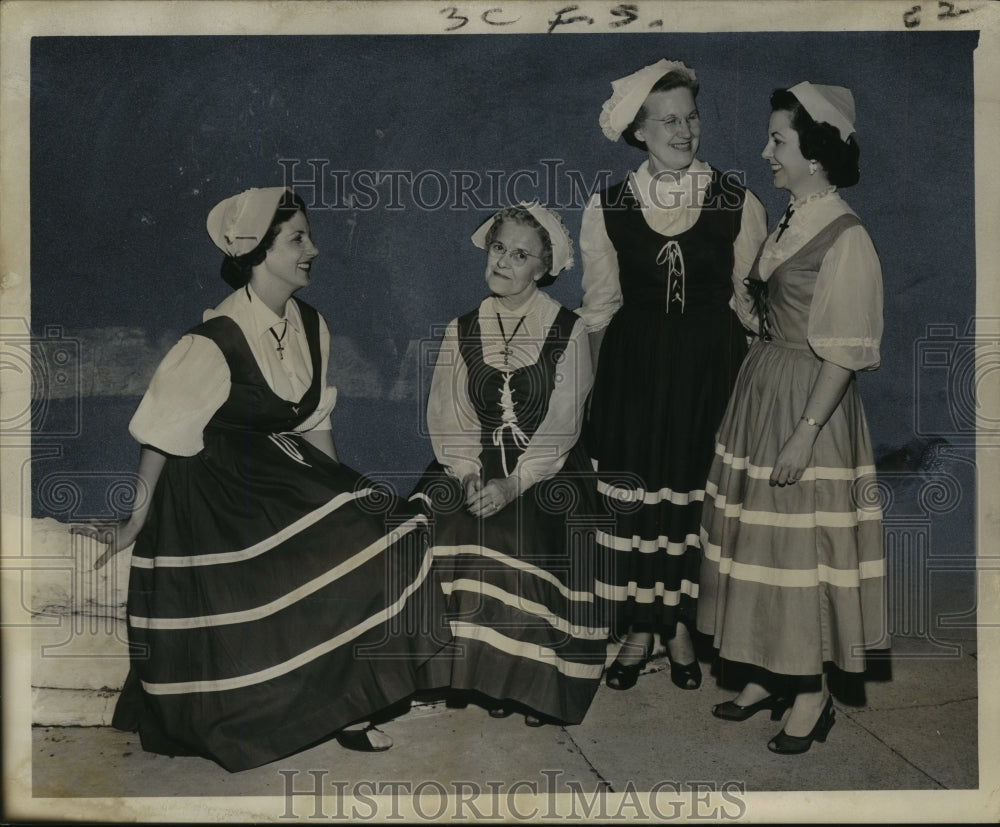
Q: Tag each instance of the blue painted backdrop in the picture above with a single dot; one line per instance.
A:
(133, 140)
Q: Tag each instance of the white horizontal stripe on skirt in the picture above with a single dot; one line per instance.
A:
(529, 651)
(258, 548)
(514, 563)
(286, 600)
(279, 669)
(516, 601)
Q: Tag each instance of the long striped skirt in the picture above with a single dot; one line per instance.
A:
(274, 598)
(660, 392)
(528, 625)
(792, 577)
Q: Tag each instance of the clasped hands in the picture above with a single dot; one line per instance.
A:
(485, 500)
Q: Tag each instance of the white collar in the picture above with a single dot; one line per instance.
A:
(493, 305)
(812, 198)
(692, 181)
(263, 317)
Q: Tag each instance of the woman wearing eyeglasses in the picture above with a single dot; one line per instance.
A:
(662, 251)
(509, 491)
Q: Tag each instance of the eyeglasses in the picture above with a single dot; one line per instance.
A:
(672, 123)
(517, 256)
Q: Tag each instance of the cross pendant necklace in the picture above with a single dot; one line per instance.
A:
(786, 218)
(507, 339)
(278, 339)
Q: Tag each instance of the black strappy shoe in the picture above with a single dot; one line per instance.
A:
(732, 711)
(624, 676)
(501, 712)
(536, 719)
(785, 744)
(358, 740)
(686, 676)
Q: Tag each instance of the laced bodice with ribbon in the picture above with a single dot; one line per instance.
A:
(510, 403)
(675, 276)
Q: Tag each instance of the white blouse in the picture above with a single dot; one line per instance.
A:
(192, 382)
(670, 207)
(451, 418)
(845, 316)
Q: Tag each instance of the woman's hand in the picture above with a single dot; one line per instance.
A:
(472, 484)
(488, 499)
(794, 456)
(118, 535)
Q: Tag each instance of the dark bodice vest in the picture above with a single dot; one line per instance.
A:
(689, 273)
(252, 405)
(529, 387)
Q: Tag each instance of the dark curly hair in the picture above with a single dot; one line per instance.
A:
(519, 215)
(236, 270)
(820, 142)
(668, 82)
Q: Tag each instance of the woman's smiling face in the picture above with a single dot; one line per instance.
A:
(671, 129)
(511, 282)
(788, 166)
(290, 257)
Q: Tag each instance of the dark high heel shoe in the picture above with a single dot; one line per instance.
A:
(785, 744)
(624, 677)
(536, 719)
(686, 676)
(501, 712)
(732, 711)
(359, 740)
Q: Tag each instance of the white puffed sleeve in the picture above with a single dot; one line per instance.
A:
(451, 418)
(319, 420)
(845, 318)
(602, 294)
(188, 387)
(753, 232)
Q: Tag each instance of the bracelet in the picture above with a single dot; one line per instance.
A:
(810, 421)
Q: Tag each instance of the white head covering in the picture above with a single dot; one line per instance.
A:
(827, 104)
(238, 223)
(630, 92)
(562, 244)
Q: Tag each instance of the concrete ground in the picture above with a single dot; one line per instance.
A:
(917, 731)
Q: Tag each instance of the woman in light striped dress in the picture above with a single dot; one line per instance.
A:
(511, 493)
(275, 597)
(793, 572)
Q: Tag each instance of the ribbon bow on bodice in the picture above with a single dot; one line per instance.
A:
(508, 422)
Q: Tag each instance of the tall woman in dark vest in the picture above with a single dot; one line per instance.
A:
(511, 493)
(275, 598)
(661, 251)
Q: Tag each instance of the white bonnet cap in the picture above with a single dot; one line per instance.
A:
(238, 223)
(827, 104)
(562, 244)
(631, 91)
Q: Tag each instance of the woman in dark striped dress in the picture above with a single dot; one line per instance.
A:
(511, 493)
(275, 597)
(794, 570)
(661, 250)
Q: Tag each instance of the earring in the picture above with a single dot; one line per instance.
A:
(812, 167)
